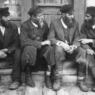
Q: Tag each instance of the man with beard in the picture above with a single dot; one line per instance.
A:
(9, 46)
(88, 43)
(64, 36)
(34, 43)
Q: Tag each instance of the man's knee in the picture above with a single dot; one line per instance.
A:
(59, 50)
(29, 55)
(18, 52)
(59, 54)
(28, 48)
(81, 56)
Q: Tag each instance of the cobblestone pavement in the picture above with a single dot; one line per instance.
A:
(67, 90)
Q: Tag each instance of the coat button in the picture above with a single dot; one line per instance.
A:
(34, 36)
(38, 38)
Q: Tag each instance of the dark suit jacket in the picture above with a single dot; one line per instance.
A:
(88, 33)
(10, 40)
(58, 32)
(32, 37)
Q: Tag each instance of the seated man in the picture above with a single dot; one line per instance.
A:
(64, 36)
(9, 45)
(88, 42)
(33, 38)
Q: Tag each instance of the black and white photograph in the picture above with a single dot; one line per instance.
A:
(47, 47)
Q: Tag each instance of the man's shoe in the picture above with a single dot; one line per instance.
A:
(93, 89)
(29, 81)
(14, 85)
(83, 86)
(48, 82)
(57, 84)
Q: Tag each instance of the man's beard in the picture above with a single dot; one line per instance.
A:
(68, 22)
(4, 23)
(89, 23)
(35, 21)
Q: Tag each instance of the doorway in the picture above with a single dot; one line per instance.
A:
(51, 8)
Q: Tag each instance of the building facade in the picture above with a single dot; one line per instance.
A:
(19, 8)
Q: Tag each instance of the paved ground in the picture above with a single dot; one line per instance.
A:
(67, 90)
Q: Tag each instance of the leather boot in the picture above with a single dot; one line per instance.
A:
(14, 85)
(57, 80)
(83, 86)
(48, 80)
(93, 88)
(57, 83)
(28, 78)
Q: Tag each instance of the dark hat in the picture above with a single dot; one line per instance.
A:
(34, 11)
(4, 11)
(66, 8)
(91, 10)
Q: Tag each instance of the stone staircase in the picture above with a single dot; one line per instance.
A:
(69, 84)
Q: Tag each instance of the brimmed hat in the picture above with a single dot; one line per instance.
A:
(66, 8)
(91, 10)
(4, 11)
(34, 11)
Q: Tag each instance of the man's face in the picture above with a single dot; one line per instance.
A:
(90, 21)
(5, 18)
(70, 15)
(40, 17)
(68, 19)
(88, 17)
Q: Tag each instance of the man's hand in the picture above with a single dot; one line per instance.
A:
(63, 45)
(72, 48)
(47, 42)
(4, 50)
(90, 51)
(86, 41)
(3, 54)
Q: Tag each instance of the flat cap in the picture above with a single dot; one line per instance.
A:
(4, 11)
(91, 10)
(66, 8)
(34, 11)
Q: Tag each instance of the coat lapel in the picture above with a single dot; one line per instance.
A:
(31, 26)
(71, 34)
(1, 37)
(60, 30)
(63, 33)
(7, 36)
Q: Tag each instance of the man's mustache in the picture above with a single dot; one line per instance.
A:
(4, 23)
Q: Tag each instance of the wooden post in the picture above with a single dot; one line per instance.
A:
(79, 11)
(25, 6)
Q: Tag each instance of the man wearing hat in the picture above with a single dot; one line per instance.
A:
(34, 43)
(9, 46)
(88, 42)
(64, 36)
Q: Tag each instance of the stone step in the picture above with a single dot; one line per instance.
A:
(5, 71)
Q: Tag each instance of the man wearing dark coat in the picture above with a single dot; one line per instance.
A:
(88, 42)
(9, 46)
(34, 43)
(64, 35)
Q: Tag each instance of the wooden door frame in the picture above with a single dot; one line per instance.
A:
(78, 11)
